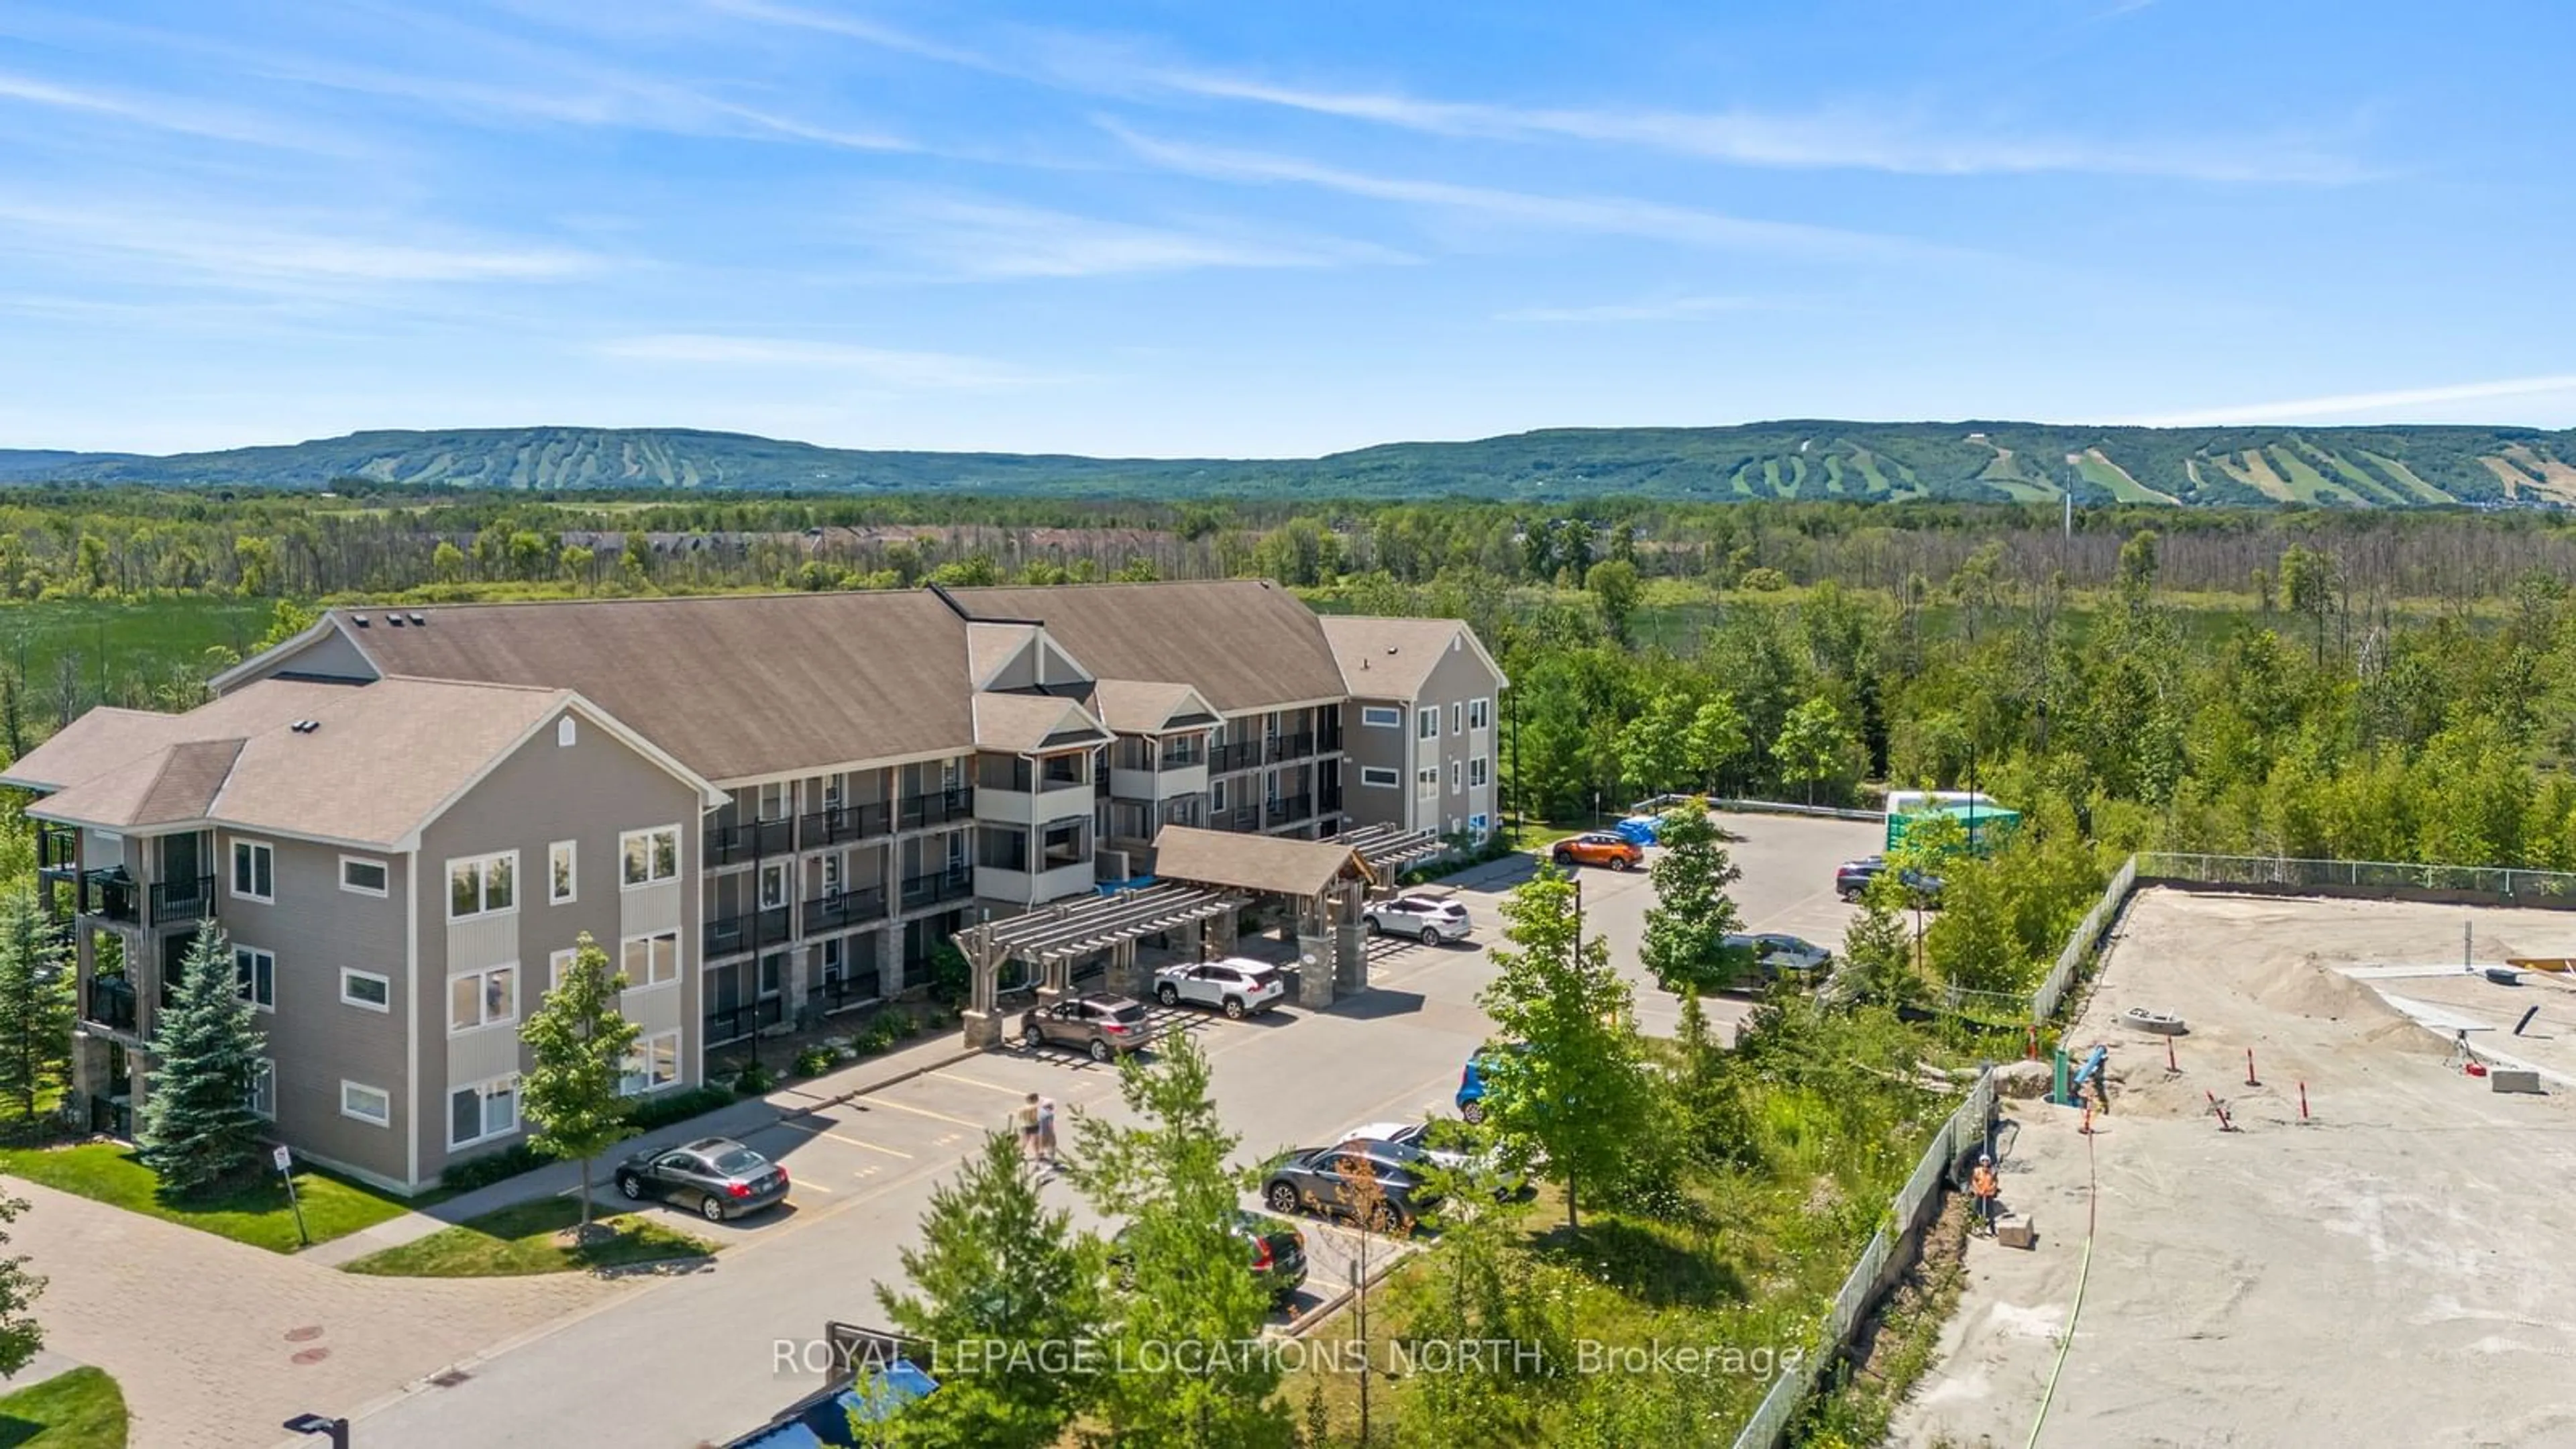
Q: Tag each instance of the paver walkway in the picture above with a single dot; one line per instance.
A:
(217, 1344)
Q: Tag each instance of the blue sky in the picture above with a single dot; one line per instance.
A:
(1152, 228)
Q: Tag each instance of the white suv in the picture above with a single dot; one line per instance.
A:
(1427, 919)
(1237, 985)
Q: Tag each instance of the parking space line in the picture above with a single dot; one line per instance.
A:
(807, 1184)
(917, 1111)
(976, 1082)
(872, 1147)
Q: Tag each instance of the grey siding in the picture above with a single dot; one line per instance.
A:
(590, 792)
(1374, 747)
(332, 656)
(1460, 676)
(314, 928)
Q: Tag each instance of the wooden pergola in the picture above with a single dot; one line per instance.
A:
(1052, 938)
(1387, 849)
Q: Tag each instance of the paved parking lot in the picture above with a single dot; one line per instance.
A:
(693, 1358)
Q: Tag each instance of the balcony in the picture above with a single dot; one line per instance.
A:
(1053, 883)
(750, 840)
(182, 902)
(111, 895)
(1226, 759)
(57, 850)
(1054, 800)
(749, 931)
(937, 888)
(1292, 747)
(1181, 757)
(1288, 808)
(733, 1023)
(109, 1002)
(844, 908)
(835, 823)
(919, 812)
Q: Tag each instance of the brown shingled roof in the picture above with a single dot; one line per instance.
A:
(1140, 707)
(169, 786)
(1022, 724)
(734, 687)
(1387, 658)
(1243, 644)
(1252, 862)
(112, 739)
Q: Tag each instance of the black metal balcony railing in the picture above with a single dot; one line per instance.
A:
(727, 844)
(835, 823)
(931, 890)
(733, 1023)
(845, 908)
(177, 902)
(111, 895)
(110, 1003)
(749, 930)
(1289, 807)
(57, 848)
(1241, 755)
(109, 1117)
(843, 991)
(918, 811)
(1242, 817)
(1180, 757)
(1292, 747)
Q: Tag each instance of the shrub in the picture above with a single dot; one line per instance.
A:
(754, 1080)
(1764, 580)
(906, 1024)
(673, 1107)
(490, 1168)
(814, 1061)
(950, 976)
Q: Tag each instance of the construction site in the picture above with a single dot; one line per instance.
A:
(2318, 1203)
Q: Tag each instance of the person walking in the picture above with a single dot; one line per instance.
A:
(1046, 1130)
(1025, 1117)
(1982, 1183)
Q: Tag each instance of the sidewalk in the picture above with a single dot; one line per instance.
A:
(557, 1179)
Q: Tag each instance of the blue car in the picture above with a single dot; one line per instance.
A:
(1471, 1083)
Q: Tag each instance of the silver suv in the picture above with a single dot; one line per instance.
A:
(1428, 919)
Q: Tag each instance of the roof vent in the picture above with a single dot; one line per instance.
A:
(394, 619)
(358, 619)
(419, 619)
(305, 726)
(1390, 649)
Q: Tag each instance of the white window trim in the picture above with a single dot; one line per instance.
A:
(572, 856)
(1394, 778)
(1381, 717)
(1426, 783)
(1480, 713)
(1426, 722)
(556, 963)
(252, 995)
(232, 878)
(488, 1134)
(267, 1074)
(487, 1023)
(1457, 716)
(1457, 777)
(379, 1093)
(644, 1055)
(381, 979)
(380, 892)
(1479, 773)
(1216, 793)
(447, 883)
(678, 967)
(650, 879)
(566, 733)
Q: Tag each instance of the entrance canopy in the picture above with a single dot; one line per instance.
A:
(1302, 870)
(1052, 938)
(1388, 849)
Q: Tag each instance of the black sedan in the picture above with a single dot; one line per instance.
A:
(1337, 1181)
(1276, 1251)
(716, 1177)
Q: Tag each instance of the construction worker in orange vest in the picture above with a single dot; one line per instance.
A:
(1982, 1183)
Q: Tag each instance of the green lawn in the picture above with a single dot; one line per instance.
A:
(522, 1239)
(146, 638)
(80, 1409)
(253, 1213)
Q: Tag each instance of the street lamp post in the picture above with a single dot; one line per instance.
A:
(336, 1430)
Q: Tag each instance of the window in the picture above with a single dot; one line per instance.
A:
(557, 964)
(1427, 782)
(255, 971)
(254, 870)
(1457, 776)
(1062, 845)
(484, 1110)
(1381, 717)
(1216, 794)
(1457, 716)
(367, 1104)
(1426, 722)
(956, 851)
(650, 856)
(362, 876)
(831, 876)
(482, 885)
(1478, 825)
(566, 733)
(653, 1065)
(773, 887)
(1380, 777)
(482, 998)
(772, 801)
(1479, 770)
(1480, 714)
(263, 1088)
(651, 960)
(366, 989)
(562, 873)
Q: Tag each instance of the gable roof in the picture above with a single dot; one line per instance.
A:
(1144, 707)
(1390, 658)
(1023, 724)
(733, 686)
(1253, 862)
(384, 760)
(107, 738)
(1243, 644)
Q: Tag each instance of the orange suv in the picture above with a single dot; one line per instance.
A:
(1598, 847)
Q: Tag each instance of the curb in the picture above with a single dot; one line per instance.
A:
(1304, 1323)
(897, 1080)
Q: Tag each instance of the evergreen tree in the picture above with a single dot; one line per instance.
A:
(1687, 926)
(1571, 1099)
(198, 1128)
(1876, 952)
(35, 1003)
(996, 1268)
(1193, 1301)
(579, 1047)
(20, 1334)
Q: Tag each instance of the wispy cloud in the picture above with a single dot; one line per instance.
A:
(164, 113)
(1673, 309)
(998, 240)
(287, 253)
(2349, 404)
(1607, 215)
(1879, 139)
(876, 364)
(851, 27)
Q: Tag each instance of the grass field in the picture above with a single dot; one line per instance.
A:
(121, 639)
(78, 1409)
(523, 1239)
(255, 1212)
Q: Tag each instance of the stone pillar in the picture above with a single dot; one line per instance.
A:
(1221, 935)
(1315, 974)
(1055, 980)
(1126, 977)
(1194, 941)
(983, 1021)
(1350, 944)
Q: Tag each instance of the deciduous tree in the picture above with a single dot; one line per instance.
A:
(579, 1046)
(1687, 926)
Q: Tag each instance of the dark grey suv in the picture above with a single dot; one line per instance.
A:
(716, 1176)
(1333, 1181)
(1104, 1026)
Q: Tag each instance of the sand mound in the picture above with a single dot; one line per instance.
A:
(2307, 988)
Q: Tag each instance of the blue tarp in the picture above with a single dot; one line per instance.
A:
(825, 1423)
(1643, 829)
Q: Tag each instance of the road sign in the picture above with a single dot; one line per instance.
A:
(285, 1160)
